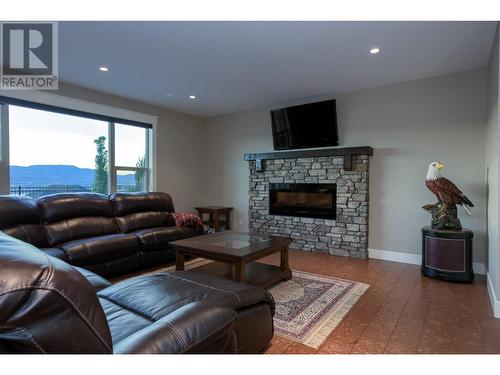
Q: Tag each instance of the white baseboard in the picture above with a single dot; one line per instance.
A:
(495, 303)
(394, 256)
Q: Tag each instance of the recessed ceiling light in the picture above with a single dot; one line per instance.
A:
(104, 68)
(192, 96)
(375, 50)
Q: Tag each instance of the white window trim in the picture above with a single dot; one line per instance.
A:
(42, 97)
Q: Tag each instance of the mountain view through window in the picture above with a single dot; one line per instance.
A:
(53, 153)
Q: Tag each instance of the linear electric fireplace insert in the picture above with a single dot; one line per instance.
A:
(304, 200)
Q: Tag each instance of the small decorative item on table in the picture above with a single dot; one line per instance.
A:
(446, 246)
(218, 217)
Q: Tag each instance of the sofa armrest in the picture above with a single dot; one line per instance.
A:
(95, 280)
(189, 329)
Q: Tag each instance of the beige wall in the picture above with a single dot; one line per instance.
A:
(178, 145)
(492, 169)
(200, 161)
(409, 125)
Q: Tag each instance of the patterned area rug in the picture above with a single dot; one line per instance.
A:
(308, 307)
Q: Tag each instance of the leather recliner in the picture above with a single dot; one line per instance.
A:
(47, 306)
(148, 217)
(20, 218)
(84, 227)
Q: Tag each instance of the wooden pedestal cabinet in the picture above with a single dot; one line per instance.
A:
(447, 254)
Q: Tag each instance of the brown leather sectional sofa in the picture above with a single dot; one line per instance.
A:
(48, 305)
(105, 235)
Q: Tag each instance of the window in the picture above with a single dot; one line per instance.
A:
(131, 160)
(52, 152)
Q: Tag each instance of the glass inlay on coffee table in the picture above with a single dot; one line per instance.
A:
(235, 255)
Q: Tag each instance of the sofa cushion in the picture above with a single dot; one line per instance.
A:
(129, 203)
(78, 228)
(154, 239)
(58, 207)
(168, 291)
(100, 249)
(18, 210)
(140, 220)
(142, 210)
(20, 217)
(69, 217)
(34, 234)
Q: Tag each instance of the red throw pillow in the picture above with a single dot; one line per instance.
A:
(185, 219)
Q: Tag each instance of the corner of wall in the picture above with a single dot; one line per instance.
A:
(495, 303)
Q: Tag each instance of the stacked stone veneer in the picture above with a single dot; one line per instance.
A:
(347, 235)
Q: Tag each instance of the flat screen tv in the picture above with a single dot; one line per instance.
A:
(307, 125)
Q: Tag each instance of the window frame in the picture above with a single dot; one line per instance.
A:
(114, 169)
(80, 108)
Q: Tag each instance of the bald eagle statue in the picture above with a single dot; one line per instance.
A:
(444, 212)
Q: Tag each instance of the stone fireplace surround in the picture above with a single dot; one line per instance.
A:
(347, 167)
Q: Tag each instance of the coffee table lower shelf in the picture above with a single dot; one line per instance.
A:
(256, 274)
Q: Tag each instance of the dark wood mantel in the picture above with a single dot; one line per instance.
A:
(346, 152)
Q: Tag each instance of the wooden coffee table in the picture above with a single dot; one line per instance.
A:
(235, 255)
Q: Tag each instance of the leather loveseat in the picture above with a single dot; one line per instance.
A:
(48, 306)
(107, 235)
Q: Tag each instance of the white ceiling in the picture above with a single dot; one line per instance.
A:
(232, 66)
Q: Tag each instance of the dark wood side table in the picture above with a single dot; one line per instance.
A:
(215, 213)
(447, 254)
